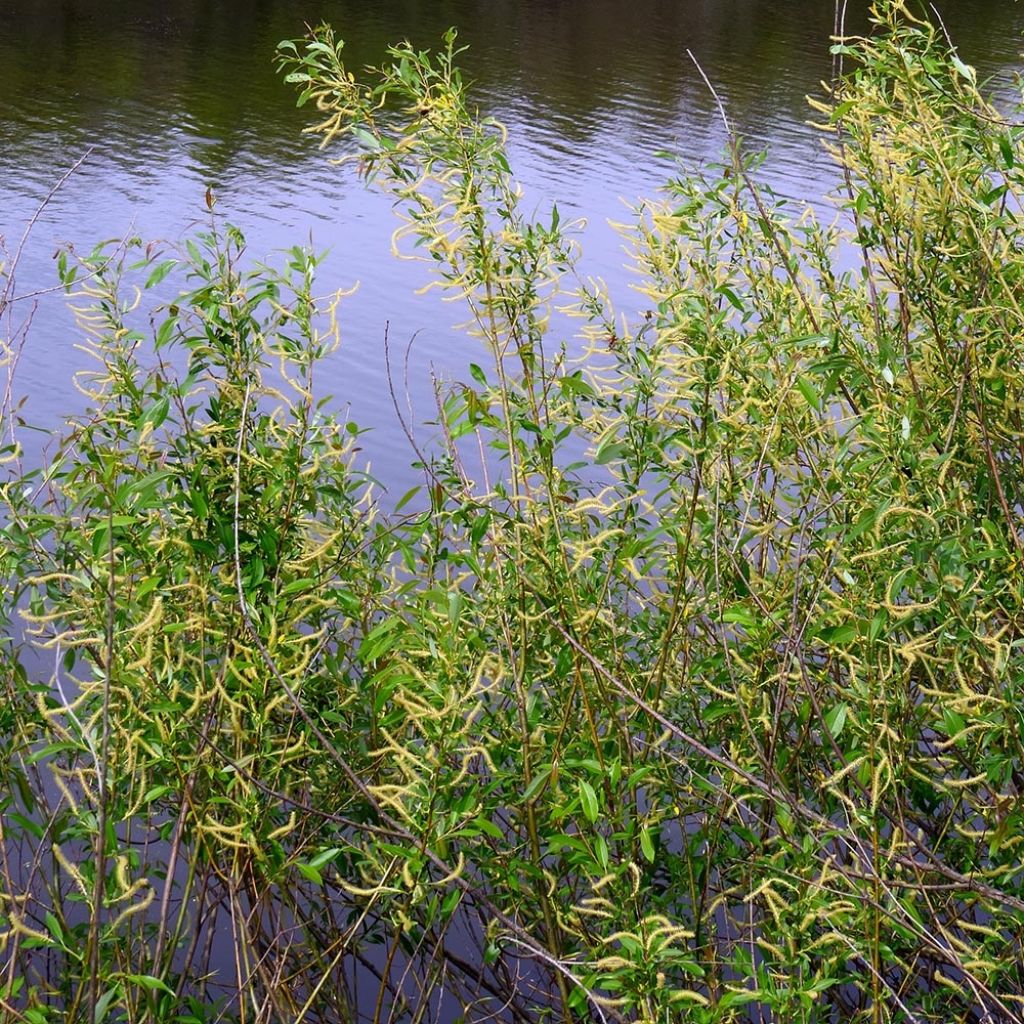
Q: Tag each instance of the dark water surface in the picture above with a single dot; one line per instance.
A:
(181, 94)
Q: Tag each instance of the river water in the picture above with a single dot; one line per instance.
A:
(181, 95)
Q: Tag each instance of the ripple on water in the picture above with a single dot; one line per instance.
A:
(180, 96)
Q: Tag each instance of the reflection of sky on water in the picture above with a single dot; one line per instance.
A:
(184, 96)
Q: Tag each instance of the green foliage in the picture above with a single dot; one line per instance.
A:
(719, 718)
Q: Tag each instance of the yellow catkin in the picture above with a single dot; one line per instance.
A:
(369, 892)
(685, 995)
(878, 787)
(844, 771)
(19, 926)
(770, 948)
(965, 783)
(283, 830)
(980, 929)
(59, 782)
(71, 870)
(135, 908)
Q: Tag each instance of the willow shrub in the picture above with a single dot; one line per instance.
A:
(718, 723)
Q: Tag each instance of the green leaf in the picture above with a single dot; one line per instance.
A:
(647, 845)
(297, 586)
(876, 626)
(160, 272)
(368, 139)
(455, 603)
(144, 489)
(164, 332)
(610, 453)
(309, 872)
(381, 639)
(488, 827)
(739, 614)
(30, 826)
(536, 783)
(588, 800)
(835, 719)
(717, 709)
(574, 384)
(733, 298)
(1006, 148)
(836, 636)
(156, 413)
(148, 981)
(102, 1004)
(324, 857)
(41, 753)
(962, 69)
(952, 722)
(407, 497)
(809, 392)
(54, 928)
(731, 999)
(450, 902)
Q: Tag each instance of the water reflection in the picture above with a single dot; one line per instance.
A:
(183, 94)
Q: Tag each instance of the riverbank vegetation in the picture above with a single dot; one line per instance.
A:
(684, 688)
